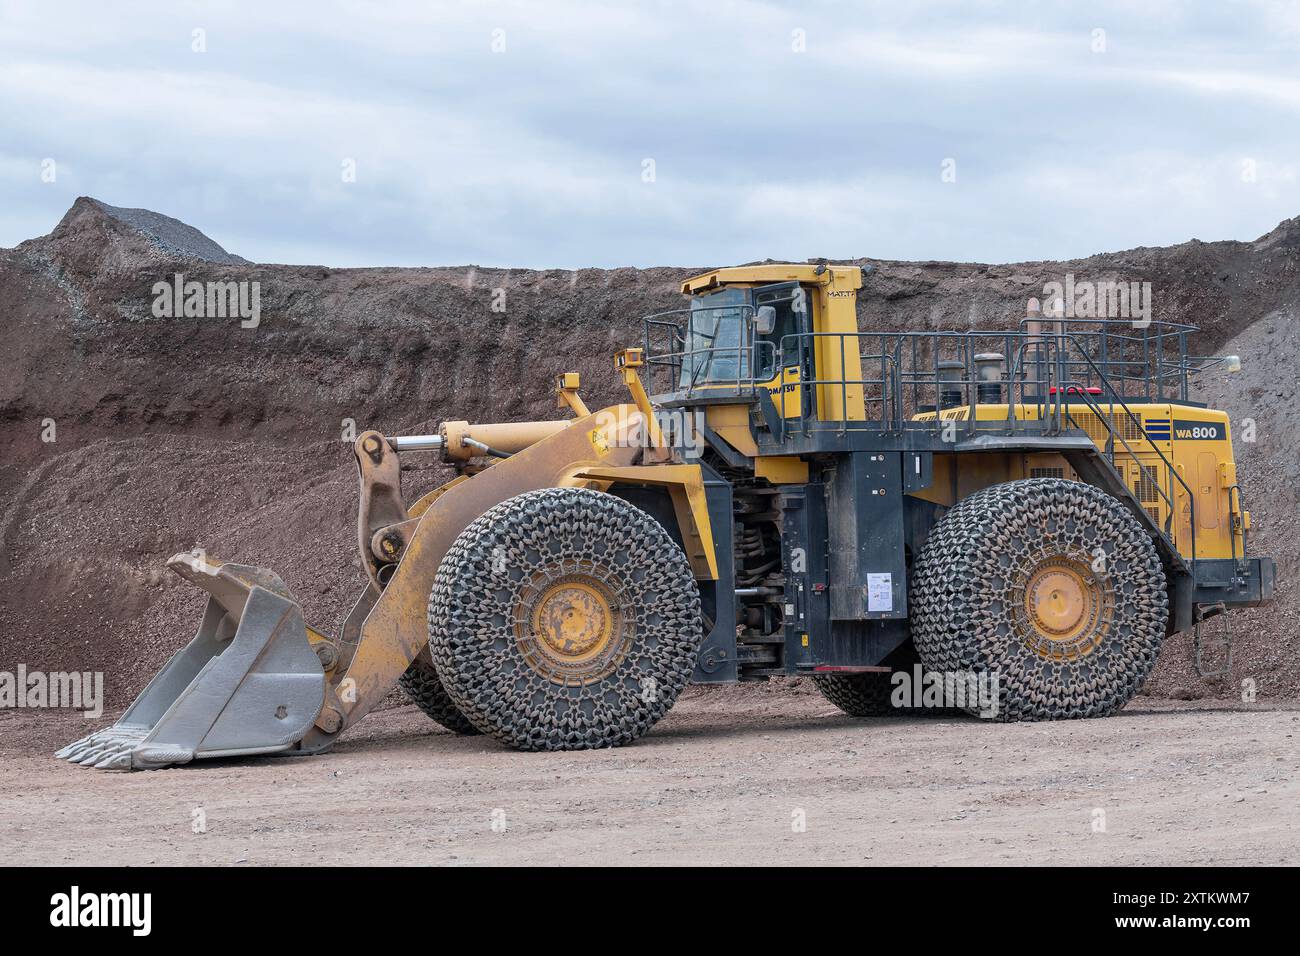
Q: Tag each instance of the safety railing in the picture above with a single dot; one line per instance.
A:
(945, 381)
(1145, 361)
(903, 374)
(1240, 512)
(1064, 343)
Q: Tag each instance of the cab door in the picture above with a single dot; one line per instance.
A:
(782, 358)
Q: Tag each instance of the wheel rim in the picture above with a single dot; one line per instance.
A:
(1066, 609)
(571, 629)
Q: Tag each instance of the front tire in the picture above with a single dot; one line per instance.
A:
(1050, 586)
(564, 619)
(420, 683)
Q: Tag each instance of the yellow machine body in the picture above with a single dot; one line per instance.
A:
(1196, 441)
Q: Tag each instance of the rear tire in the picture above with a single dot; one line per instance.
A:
(564, 619)
(858, 695)
(872, 694)
(1052, 586)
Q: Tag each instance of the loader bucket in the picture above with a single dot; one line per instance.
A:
(248, 683)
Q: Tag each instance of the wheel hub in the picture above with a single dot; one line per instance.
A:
(573, 620)
(1059, 601)
(1067, 609)
(571, 628)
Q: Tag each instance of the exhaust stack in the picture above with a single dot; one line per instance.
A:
(988, 377)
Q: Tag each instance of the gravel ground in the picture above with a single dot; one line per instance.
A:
(722, 780)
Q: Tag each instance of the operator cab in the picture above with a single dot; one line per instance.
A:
(782, 336)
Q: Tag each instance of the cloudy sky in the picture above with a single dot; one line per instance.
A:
(567, 134)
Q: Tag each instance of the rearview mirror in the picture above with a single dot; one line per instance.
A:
(765, 320)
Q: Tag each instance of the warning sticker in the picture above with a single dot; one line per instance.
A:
(880, 592)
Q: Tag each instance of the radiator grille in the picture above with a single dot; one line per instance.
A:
(1125, 427)
(1145, 488)
(1046, 472)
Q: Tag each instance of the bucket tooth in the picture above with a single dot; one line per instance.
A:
(82, 752)
(63, 753)
(117, 760)
(80, 746)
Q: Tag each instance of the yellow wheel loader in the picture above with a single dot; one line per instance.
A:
(1036, 508)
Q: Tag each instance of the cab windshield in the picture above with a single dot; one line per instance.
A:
(715, 342)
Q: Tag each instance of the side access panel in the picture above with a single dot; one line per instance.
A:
(803, 559)
(866, 537)
(813, 641)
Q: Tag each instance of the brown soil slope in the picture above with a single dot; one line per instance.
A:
(182, 433)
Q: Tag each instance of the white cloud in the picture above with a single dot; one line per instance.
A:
(1281, 90)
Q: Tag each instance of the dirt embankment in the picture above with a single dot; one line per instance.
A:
(176, 433)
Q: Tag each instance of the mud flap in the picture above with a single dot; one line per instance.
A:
(248, 683)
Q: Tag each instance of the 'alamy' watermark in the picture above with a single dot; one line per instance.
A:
(680, 429)
(1099, 300)
(208, 300)
(74, 690)
(130, 910)
(967, 690)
